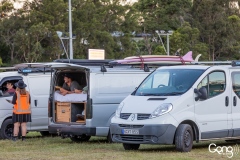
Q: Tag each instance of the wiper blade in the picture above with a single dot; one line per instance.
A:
(173, 93)
(148, 94)
(152, 94)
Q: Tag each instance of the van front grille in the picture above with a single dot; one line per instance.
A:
(139, 116)
(133, 138)
(125, 115)
(130, 126)
(143, 116)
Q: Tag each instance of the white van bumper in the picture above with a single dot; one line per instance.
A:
(143, 134)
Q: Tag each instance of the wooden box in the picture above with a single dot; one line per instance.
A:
(63, 112)
(67, 111)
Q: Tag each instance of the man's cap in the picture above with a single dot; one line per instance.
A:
(20, 84)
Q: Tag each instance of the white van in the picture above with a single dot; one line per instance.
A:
(106, 87)
(38, 84)
(179, 105)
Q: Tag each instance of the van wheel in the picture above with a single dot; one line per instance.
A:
(6, 129)
(184, 138)
(127, 146)
(79, 139)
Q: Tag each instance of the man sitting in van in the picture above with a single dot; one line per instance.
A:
(10, 89)
(70, 86)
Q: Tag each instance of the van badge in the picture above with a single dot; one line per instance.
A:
(133, 117)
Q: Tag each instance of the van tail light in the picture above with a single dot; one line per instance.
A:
(89, 109)
(50, 108)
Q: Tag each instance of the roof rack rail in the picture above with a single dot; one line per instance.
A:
(30, 65)
(213, 62)
(26, 68)
(85, 62)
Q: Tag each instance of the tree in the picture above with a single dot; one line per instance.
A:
(45, 18)
(187, 38)
(7, 26)
(216, 28)
(29, 43)
(161, 15)
(94, 21)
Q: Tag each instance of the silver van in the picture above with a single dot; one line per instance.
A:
(105, 87)
(38, 83)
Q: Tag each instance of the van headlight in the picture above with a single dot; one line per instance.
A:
(162, 109)
(119, 110)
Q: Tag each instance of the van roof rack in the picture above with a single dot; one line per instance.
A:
(26, 68)
(214, 62)
(85, 62)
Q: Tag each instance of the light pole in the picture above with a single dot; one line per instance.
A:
(165, 33)
(70, 29)
(59, 33)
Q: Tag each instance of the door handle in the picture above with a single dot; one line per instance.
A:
(226, 101)
(234, 101)
(35, 103)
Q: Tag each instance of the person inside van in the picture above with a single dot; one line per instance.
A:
(70, 86)
(10, 89)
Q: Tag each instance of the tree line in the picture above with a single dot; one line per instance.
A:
(209, 27)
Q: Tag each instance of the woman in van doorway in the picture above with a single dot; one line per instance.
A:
(21, 109)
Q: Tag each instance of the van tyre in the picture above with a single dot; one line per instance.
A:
(6, 129)
(79, 139)
(127, 146)
(184, 138)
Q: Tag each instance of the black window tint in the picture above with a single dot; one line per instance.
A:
(236, 83)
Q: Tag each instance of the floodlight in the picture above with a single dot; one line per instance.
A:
(162, 31)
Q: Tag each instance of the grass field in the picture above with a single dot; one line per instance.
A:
(37, 147)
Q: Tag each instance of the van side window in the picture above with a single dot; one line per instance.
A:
(215, 83)
(236, 83)
(7, 88)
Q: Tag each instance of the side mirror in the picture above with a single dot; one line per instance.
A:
(134, 91)
(201, 93)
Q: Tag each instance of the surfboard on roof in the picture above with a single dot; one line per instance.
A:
(151, 59)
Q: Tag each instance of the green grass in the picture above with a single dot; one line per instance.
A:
(37, 147)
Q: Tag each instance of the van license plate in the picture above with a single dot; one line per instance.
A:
(130, 131)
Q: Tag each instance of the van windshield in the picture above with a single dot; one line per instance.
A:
(168, 82)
